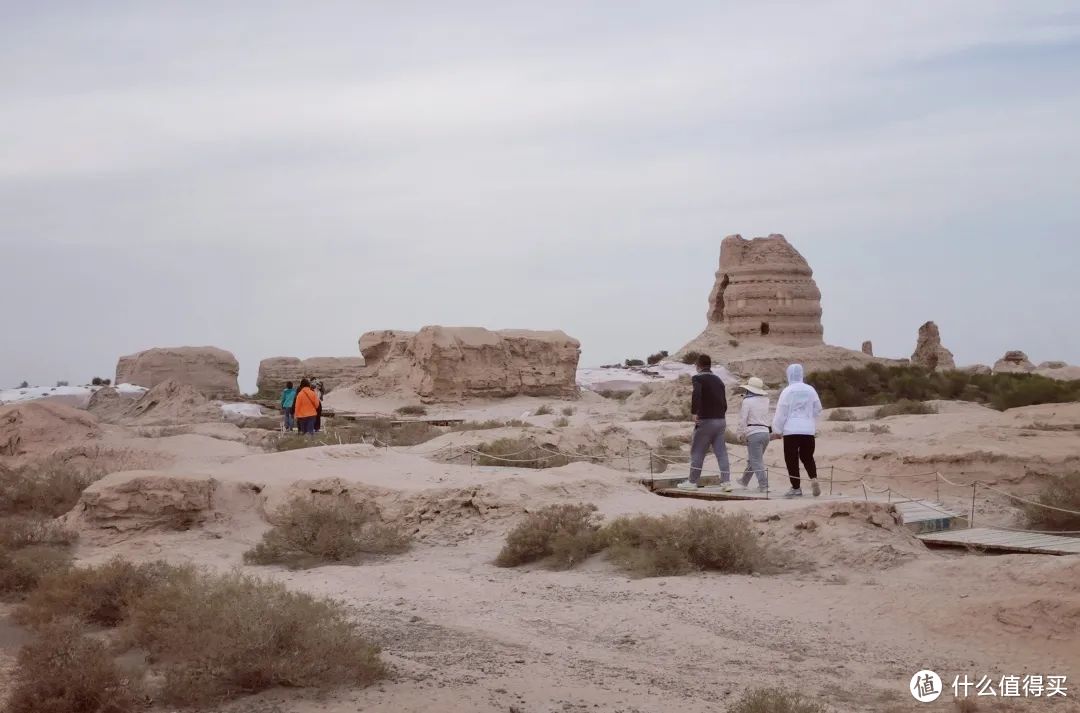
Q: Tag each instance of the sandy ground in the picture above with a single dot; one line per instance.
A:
(859, 607)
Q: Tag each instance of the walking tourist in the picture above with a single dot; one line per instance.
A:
(709, 407)
(796, 422)
(754, 426)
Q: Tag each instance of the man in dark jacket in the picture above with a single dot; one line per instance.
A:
(709, 407)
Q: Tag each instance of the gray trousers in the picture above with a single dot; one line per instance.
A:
(709, 433)
(756, 443)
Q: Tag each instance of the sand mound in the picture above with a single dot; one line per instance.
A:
(171, 403)
(844, 536)
(42, 427)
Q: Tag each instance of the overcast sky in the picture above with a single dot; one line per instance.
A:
(276, 178)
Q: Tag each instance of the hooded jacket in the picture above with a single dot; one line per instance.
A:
(798, 407)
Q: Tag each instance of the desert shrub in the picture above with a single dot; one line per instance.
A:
(217, 636)
(775, 700)
(656, 358)
(879, 429)
(561, 535)
(412, 410)
(309, 533)
(99, 595)
(617, 395)
(561, 422)
(877, 384)
(23, 569)
(695, 539)
(634, 362)
(61, 383)
(18, 531)
(733, 342)
(48, 489)
(905, 407)
(843, 414)
(24, 385)
(543, 410)
(63, 671)
(377, 431)
(690, 357)
(518, 453)
(96, 381)
(568, 411)
(1057, 491)
(654, 414)
(845, 428)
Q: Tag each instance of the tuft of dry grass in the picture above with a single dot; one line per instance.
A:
(568, 411)
(488, 425)
(845, 428)
(775, 700)
(561, 422)
(695, 539)
(879, 429)
(412, 410)
(905, 407)
(1061, 492)
(518, 453)
(560, 535)
(101, 596)
(544, 410)
(63, 671)
(219, 636)
(309, 533)
(843, 414)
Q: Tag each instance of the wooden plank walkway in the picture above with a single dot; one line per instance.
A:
(989, 539)
(921, 516)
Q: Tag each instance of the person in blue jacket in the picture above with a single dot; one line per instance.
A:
(288, 403)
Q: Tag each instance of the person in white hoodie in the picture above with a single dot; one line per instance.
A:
(796, 421)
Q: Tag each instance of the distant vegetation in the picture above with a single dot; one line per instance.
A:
(905, 407)
(1059, 492)
(634, 362)
(878, 384)
(657, 357)
(412, 410)
(690, 357)
(98, 381)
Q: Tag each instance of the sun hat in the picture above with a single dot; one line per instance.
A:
(756, 386)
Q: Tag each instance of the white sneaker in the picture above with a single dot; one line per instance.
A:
(687, 485)
(815, 487)
(725, 487)
(793, 493)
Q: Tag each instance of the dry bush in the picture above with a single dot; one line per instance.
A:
(845, 428)
(518, 453)
(695, 539)
(487, 425)
(49, 489)
(615, 394)
(1061, 492)
(568, 411)
(690, 357)
(905, 407)
(775, 700)
(309, 533)
(219, 636)
(17, 532)
(879, 429)
(544, 410)
(99, 595)
(22, 570)
(561, 422)
(657, 357)
(843, 414)
(561, 535)
(412, 410)
(63, 671)
(655, 414)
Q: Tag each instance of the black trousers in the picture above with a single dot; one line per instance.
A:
(799, 448)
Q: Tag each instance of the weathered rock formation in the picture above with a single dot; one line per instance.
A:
(868, 348)
(171, 403)
(211, 370)
(453, 363)
(333, 371)
(929, 352)
(38, 428)
(1014, 362)
(143, 500)
(765, 289)
(977, 369)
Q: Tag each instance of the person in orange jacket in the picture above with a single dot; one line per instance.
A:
(307, 407)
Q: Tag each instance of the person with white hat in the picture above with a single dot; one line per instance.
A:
(754, 426)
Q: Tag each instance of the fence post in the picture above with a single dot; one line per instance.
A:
(650, 465)
(629, 468)
(971, 520)
(937, 484)
(832, 472)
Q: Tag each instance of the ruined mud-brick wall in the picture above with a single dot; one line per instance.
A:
(453, 363)
(332, 371)
(765, 289)
(212, 371)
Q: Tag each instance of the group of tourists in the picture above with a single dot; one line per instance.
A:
(795, 421)
(301, 408)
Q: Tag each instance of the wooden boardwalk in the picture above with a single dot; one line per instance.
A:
(991, 540)
(921, 516)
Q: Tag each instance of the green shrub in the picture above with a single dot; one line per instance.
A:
(561, 535)
(905, 407)
(877, 384)
(412, 410)
(63, 671)
(544, 410)
(1060, 492)
(843, 414)
(695, 539)
(518, 453)
(219, 636)
(310, 533)
(775, 700)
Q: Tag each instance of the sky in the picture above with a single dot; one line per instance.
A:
(276, 178)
